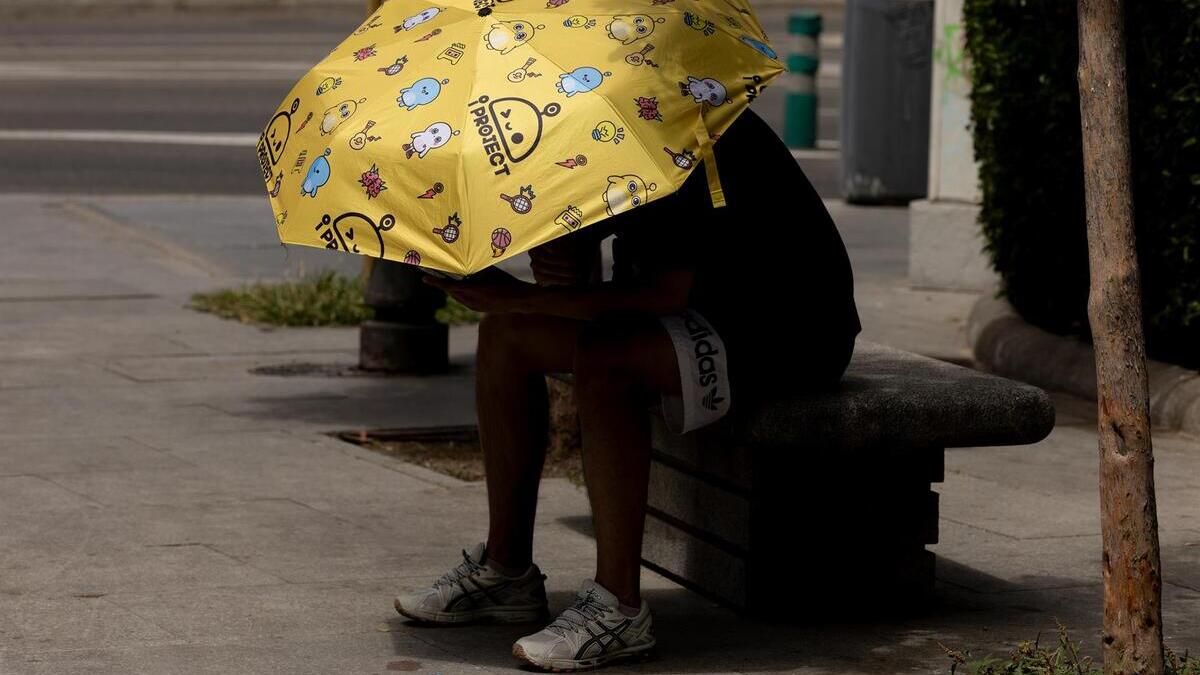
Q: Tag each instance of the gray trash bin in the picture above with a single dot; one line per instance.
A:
(886, 77)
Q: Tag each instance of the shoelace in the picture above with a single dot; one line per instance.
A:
(467, 568)
(586, 608)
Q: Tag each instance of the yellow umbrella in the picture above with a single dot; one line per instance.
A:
(454, 135)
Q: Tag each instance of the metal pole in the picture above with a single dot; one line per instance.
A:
(800, 107)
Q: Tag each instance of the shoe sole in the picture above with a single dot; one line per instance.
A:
(491, 615)
(571, 666)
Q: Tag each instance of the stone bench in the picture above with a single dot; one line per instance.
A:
(827, 496)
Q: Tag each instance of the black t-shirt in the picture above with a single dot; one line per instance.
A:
(771, 271)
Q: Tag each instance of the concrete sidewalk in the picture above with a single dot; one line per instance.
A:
(164, 510)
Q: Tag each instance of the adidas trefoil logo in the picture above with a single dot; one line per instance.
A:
(711, 400)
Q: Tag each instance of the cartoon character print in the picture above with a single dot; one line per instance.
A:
(373, 22)
(626, 192)
(453, 53)
(706, 90)
(648, 108)
(450, 232)
(434, 136)
(341, 237)
(570, 218)
(629, 28)
(579, 21)
(506, 36)
(317, 177)
(437, 189)
(365, 53)
(509, 128)
(418, 19)
(518, 76)
(339, 113)
(572, 162)
(396, 68)
(328, 84)
(582, 79)
(684, 160)
(607, 131)
(699, 23)
(359, 141)
(638, 58)
(372, 182)
(422, 92)
(274, 139)
(501, 240)
(760, 47)
(522, 202)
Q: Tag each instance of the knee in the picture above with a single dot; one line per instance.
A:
(499, 339)
(602, 357)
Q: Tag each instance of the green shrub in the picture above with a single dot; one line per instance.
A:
(1025, 109)
(1063, 658)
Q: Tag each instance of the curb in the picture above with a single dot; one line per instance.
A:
(1003, 343)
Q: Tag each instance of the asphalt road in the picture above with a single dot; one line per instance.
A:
(170, 102)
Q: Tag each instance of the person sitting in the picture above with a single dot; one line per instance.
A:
(706, 309)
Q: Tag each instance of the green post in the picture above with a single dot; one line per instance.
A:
(800, 107)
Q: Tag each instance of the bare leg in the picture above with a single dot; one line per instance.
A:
(619, 367)
(515, 352)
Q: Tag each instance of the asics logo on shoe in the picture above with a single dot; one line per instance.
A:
(480, 591)
(613, 634)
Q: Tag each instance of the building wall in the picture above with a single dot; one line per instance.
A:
(946, 248)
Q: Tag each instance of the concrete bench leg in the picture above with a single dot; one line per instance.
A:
(762, 527)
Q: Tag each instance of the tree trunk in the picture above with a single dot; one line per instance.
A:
(1132, 641)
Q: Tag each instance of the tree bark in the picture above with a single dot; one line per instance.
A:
(1132, 639)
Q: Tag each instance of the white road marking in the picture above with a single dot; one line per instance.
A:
(152, 64)
(153, 70)
(239, 140)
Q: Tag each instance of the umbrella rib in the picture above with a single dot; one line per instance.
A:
(463, 184)
(624, 122)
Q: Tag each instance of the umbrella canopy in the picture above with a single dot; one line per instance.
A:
(452, 136)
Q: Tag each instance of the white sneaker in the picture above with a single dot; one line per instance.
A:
(473, 592)
(588, 634)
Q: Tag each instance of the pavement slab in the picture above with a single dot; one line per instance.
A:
(167, 508)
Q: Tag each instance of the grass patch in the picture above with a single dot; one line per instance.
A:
(322, 299)
(1031, 658)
